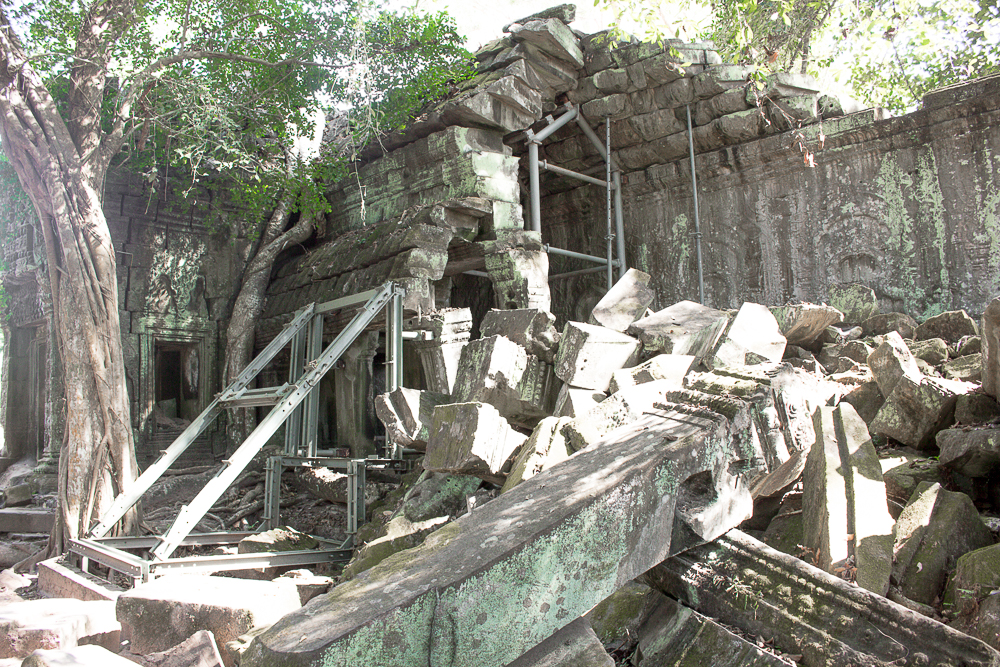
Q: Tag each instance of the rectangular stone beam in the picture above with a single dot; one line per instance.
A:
(488, 587)
(746, 584)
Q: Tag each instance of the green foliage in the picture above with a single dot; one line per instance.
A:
(887, 53)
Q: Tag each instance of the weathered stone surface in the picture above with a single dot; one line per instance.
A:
(589, 354)
(786, 532)
(932, 350)
(81, 656)
(437, 494)
(56, 623)
(163, 613)
(969, 345)
(544, 448)
(843, 505)
(57, 579)
(684, 328)
(890, 361)
(883, 323)
(565, 13)
(951, 326)
(857, 302)
(971, 451)
(198, 650)
(534, 330)
(971, 594)
(471, 439)
(866, 399)
(991, 348)
(902, 478)
(277, 539)
(620, 614)
(576, 644)
(917, 409)
(406, 414)
(450, 329)
(520, 278)
(308, 585)
(625, 302)
(552, 37)
(17, 495)
(806, 611)
(400, 534)
(935, 528)
(612, 512)
(500, 372)
(857, 351)
(966, 369)
(677, 636)
(975, 409)
(574, 401)
(26, 519)
(801, 324)
(673, 367)
(752, 338)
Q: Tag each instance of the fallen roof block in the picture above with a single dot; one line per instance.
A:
(56, 623)
(488, 587)
(575, 645)
(805, 611)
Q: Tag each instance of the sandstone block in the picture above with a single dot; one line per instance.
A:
(965, 369)
(589, 354)
(17, 495)
(574, 401)
(277, 539)
(752, 338)
(80, 656)
(903, 477)
(544, 448)
(551, 36)
(406, 414)
(934, 529)
(951, 326)
(977, 577)
(917, 409)
(620, 614)
(534, 330)
(163, 613)
(973, 452)
(60, 580)
(26, 519)
(565, 13)
(520, 278)
(436, 494)
(866, 399)
(932, 350)
(400, 534)
(801, 324)
(673, 367)
(198, 650)
(890, 361)
(56, 623)
(500, 372)
(576, 644)
(856, 302)
(975, 409)
(883, 323)
(684, 328)
(471, 439)
(625, 302)
(991, 348)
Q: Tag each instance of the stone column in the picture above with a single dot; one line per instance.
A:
(353, 381)
(519, 269)
(449, 330)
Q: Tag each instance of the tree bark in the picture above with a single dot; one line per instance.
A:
(98, 460)
(250, 302)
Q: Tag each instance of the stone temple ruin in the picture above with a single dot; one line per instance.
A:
(663, 386)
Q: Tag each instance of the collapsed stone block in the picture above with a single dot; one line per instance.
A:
(26, 519)
(786, 532)
(17, 495)
(991, 348)
(801, 324)
(972, 452)
(471, 439)
(965, 369)
(612, 512)
(625, 302)
(844, 510)
(620, 614)
(932, 350)
(576, 644)
(866, 399)
(534, 330)
(890, 361)
(574, 401)
(449, 330)
(500, 372)
(520, 275)
(806, 611)
(589, 354)
(544, 448)
(673, 367)
(857, 302)
(684, 328)
(57, 579)
(198, 650)
(79, 656)
(976, 409)
(917, 409)
(951, 326)
(56, 623)
(406, 414)
(752, 338)
(400, 534)
(164, 612)
(934, 529)
(971, 594)
(436, 494)
(883, 323)
(551, 36)
(681, 637)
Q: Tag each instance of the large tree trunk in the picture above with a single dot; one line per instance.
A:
(250, 302)
(98, 459)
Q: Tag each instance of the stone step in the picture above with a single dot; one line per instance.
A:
(26, 520)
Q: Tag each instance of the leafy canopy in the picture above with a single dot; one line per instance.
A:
(887, 53)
